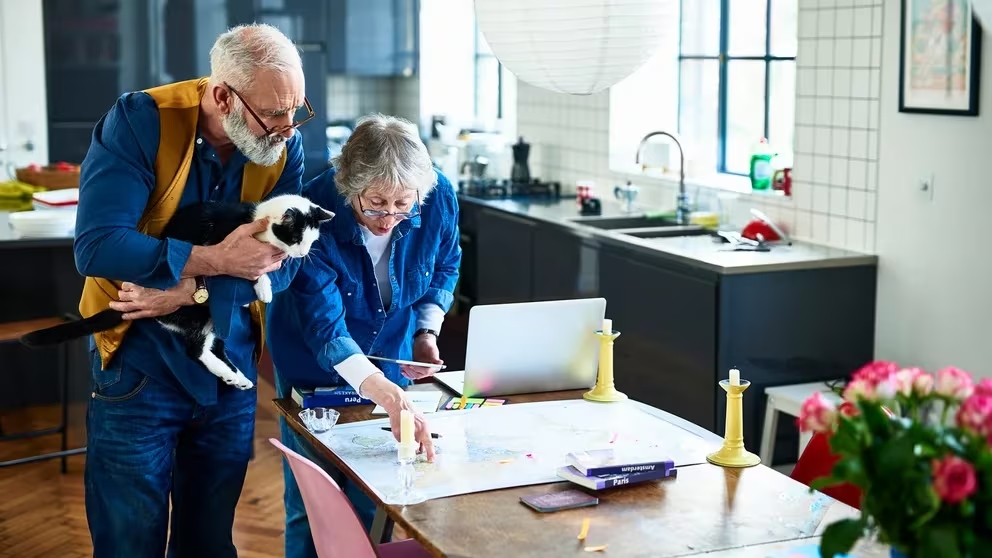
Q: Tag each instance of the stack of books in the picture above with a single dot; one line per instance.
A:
(606, 468)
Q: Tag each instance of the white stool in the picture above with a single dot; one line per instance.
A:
(788, 400)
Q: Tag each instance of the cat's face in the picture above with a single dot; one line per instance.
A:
(294, 223)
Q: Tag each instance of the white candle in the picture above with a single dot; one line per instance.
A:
(735, 377)
(607, 325)
(406, 427)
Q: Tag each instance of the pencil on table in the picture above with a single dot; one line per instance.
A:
(585, 529)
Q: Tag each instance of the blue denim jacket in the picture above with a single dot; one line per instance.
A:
(115, 183)
(332, 308)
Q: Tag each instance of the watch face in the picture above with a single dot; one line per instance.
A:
(200, 296)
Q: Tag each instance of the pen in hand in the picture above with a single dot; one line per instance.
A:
(434, 435)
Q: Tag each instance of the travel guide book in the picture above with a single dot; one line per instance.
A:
(335, 396)
(602, 482)
(616, 462)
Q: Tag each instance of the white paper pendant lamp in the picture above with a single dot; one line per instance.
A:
(573, 46)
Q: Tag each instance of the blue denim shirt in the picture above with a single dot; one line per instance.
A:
(116, 180)
(332, 309)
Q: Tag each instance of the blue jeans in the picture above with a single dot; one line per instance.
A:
(299, 541)
(145, 441)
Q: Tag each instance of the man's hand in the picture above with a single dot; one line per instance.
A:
(424, 350)
(242, 255)
(139, 302)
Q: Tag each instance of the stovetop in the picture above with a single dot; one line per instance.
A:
(495, 188)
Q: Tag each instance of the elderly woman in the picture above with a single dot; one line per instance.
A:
(379, 283)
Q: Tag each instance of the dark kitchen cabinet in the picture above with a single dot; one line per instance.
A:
(504, 256)
(565, 266)
(666, 352)
(373, 37)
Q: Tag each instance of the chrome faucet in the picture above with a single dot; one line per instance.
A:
(682, 202)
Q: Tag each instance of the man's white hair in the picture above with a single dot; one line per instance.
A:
(242, 51)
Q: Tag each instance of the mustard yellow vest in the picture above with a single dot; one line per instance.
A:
(179, 110)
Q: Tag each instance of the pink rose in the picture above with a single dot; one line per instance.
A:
(975, 415)
(953, 479)
(817, 414)
(984, 387)
(954, 383)
(923, 384)
(909, 381)
(873, 382)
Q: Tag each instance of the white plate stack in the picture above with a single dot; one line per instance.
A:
(67, 198)
(44, 223)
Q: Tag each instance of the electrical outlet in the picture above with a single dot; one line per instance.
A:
(926, 186)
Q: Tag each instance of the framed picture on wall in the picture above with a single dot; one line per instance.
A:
(940, 58)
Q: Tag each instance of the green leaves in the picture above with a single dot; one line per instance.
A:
(940, 541)
(840, 537)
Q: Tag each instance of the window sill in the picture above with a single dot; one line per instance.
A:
(715, 181)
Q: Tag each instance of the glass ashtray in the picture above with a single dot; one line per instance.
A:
(319, 419)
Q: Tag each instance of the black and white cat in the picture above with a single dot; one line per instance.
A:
(294, 225)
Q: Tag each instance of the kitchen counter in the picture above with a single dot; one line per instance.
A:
(9, 238)
(701, 251)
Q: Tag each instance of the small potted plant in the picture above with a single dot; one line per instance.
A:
(917, 445)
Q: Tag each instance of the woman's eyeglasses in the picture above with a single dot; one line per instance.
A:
(400, 215)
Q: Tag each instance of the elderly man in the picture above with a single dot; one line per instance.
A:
(158, 422)
(379, 284)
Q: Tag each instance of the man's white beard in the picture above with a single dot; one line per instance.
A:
(262, 151)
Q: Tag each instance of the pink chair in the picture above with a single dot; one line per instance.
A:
(337, 531)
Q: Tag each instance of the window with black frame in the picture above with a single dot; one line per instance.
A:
(737, 75)
(488, 82)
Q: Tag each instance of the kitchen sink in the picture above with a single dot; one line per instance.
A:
(667, 232)
(624, 222)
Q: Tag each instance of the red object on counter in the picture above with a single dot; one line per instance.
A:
(756, 227)
(782, 180)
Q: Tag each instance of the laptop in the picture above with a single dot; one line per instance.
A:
(529, 347)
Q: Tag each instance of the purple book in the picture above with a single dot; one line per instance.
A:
(616, 462)
(601, 482)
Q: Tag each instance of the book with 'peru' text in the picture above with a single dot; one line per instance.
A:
(335, 396)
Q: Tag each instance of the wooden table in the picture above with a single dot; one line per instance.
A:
(745, 513)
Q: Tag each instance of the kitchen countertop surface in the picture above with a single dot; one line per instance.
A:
(700, 251)
(9, 238)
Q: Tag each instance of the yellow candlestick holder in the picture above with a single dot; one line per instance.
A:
(605, 391)
(733, 454)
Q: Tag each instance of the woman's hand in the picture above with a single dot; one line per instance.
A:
(421, 431)
(138, 302)
(393, 399)
(424, 350)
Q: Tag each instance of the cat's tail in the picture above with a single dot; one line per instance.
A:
(61, 333)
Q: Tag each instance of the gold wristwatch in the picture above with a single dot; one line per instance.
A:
(200, 295)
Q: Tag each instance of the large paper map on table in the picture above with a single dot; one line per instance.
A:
(512, 445)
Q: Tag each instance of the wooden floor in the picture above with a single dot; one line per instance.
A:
(42, 512)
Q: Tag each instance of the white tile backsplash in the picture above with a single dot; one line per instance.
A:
(835, 142)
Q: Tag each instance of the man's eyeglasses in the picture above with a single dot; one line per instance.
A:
(278, 130)
(400, 215)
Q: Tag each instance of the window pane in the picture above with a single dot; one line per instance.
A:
(481, 45)
(748, 27)
(698, 108)
(700, 27)
(784, 27)
(486, 89)
(782, 106)
(745, 112)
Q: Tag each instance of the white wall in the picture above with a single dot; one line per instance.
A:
(935, 302)
(23, 109)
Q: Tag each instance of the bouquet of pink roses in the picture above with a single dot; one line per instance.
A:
(918, 447)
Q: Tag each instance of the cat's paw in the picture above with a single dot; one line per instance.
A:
(263, 288)
(241, 382)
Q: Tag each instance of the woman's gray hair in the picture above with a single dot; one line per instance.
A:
(384, 152)
(242, 51)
